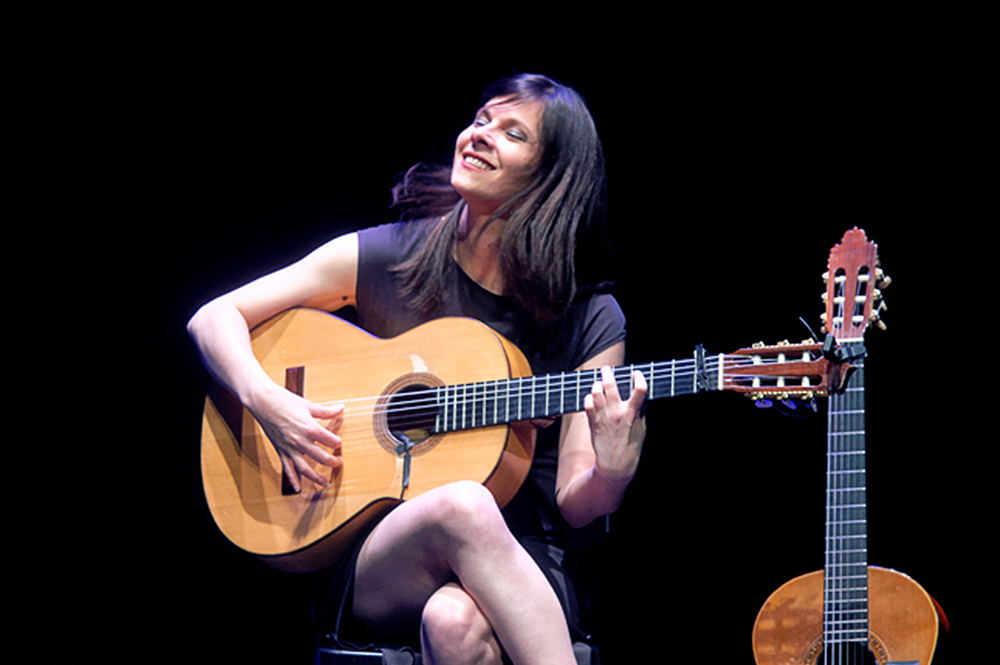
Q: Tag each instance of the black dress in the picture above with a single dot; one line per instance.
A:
(594, 323)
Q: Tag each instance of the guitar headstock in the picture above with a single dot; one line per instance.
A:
(782, 371)
(803, 371)
(854, 283)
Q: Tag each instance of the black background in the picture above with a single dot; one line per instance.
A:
(736, 160)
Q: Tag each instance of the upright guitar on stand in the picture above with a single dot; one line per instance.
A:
(849, 612)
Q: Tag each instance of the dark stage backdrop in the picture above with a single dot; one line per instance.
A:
(731, 177)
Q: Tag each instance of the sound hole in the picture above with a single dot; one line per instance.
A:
(412, 412)
(407, 412)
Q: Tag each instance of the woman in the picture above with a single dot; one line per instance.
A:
(501, 245)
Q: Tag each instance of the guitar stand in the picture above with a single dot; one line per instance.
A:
(840, 354)
(843, 356)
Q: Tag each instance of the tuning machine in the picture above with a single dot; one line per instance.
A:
(882, 281)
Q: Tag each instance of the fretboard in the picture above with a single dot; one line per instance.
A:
(845, 573)
(472, 405)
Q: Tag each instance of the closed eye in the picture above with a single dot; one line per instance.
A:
(512, 127)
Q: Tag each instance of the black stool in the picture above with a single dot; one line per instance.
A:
(585, 655)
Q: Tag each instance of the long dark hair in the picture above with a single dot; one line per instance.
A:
(551, 225)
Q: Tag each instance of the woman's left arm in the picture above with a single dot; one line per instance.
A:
(599, 448)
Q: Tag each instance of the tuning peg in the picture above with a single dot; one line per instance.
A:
(826, 277)
(881, 279)
(876, 317)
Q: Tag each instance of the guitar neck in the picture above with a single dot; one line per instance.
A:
(845, 573)
(489, 403)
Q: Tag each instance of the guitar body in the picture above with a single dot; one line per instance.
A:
(327, 360)
(902, 621)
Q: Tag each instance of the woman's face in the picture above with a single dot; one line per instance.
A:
(498, 154)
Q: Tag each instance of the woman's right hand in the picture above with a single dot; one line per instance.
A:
(300, 431)
(303, 433)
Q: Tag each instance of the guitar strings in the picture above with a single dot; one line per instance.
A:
(521, 391)
(845, 617)
(845, 590)
(421, 402)
(418, 399)
(423, 398)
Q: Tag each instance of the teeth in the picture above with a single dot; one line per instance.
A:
(478, 163)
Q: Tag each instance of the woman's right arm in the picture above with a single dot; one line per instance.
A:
(325, 279)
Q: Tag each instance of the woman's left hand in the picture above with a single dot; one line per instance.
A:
(617, 426)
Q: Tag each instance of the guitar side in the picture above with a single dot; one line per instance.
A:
(333, 361)
(903, 621)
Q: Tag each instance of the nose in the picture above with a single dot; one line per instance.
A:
(481, 135)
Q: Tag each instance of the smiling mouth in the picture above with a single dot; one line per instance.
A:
(474, 161)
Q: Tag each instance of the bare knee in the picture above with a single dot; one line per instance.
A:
(467, 510)
(471, 505)
(454, 630)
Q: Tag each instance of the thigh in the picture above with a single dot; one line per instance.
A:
(405, 559)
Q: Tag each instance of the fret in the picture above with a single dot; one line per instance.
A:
(482, 413)
(848, 615)
(506, 410)
(465, 405)
(578, 397)
(848, 624)
(520, 399)
(473, 402)
(562, 393)
(847, 635)
(694, 375)
(844, 472)
(845, 434)
(846, 564)
(442, 406)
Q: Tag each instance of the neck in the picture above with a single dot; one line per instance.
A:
(477, 249)
(845, 606)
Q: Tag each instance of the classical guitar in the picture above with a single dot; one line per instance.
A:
(849, 612)
(445, 401)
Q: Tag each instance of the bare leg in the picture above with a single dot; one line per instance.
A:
(457, 532)
(454, 630)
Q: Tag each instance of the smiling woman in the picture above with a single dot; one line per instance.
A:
(497, 236)
(553, 222)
